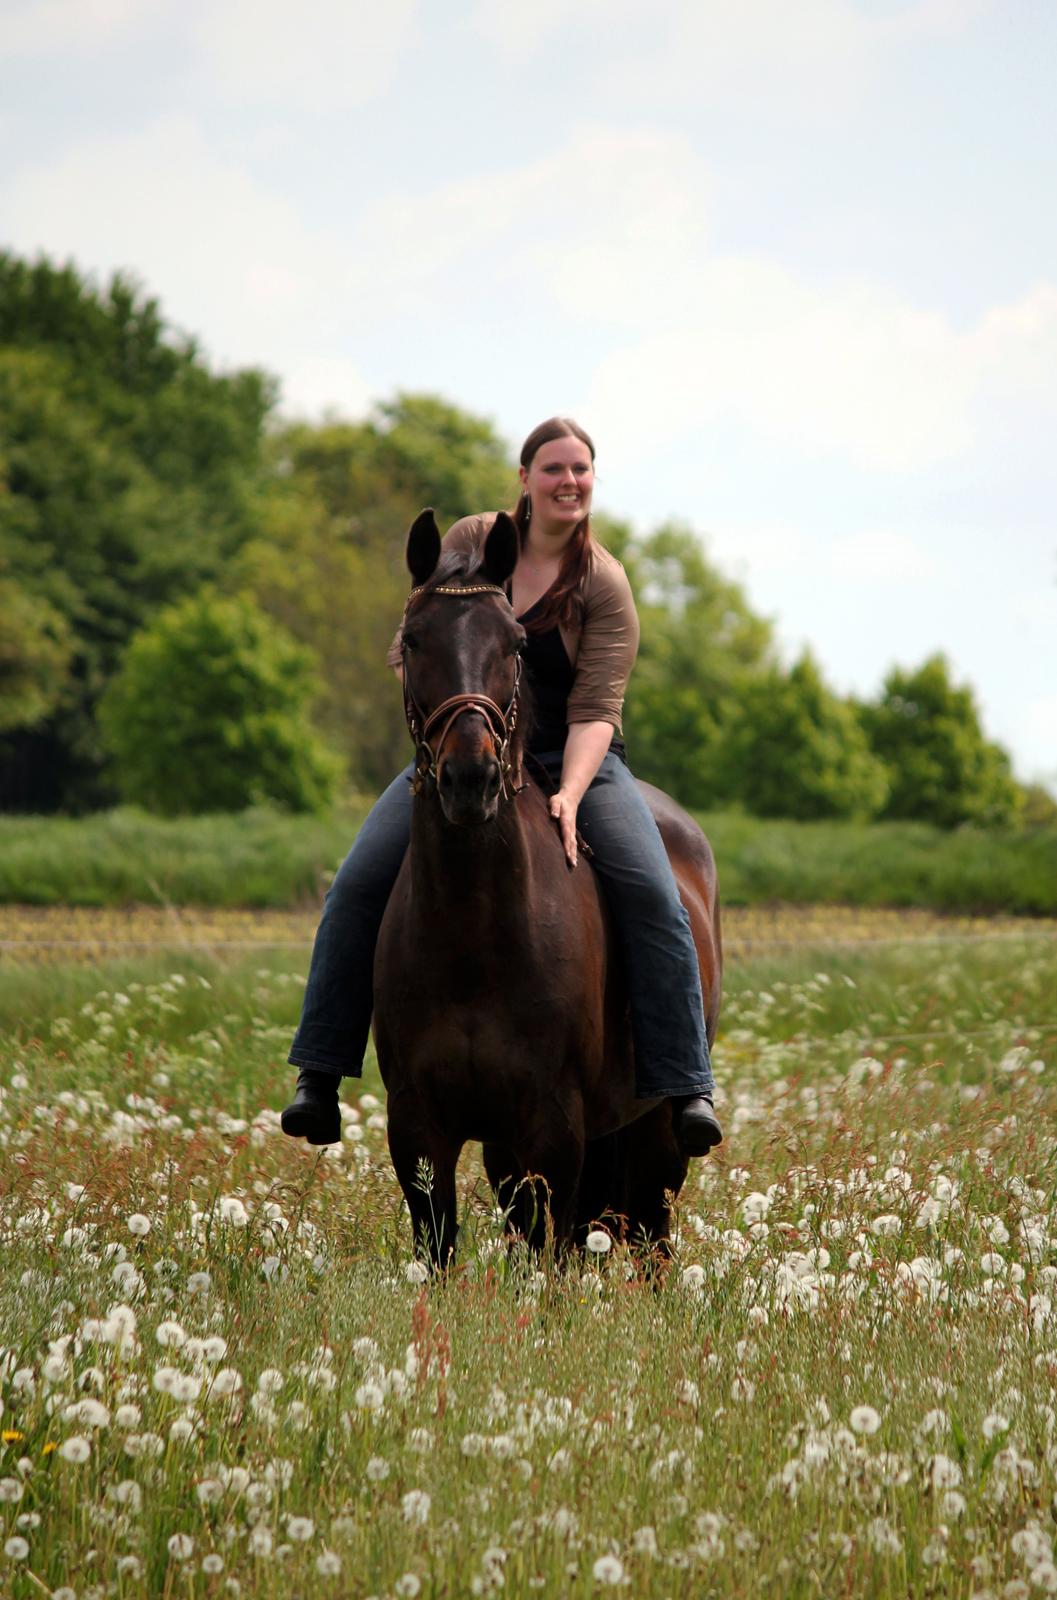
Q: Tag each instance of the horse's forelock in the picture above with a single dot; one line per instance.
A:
(454, 566)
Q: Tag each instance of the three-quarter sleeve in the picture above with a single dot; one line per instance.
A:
(609, 643)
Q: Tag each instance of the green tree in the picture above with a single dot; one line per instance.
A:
(209, 713)
(701, 643)
(941, 767)
(34, 657)
(328, 562)
(129, 474)
(795, 749)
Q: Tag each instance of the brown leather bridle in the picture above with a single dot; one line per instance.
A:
(501, 724)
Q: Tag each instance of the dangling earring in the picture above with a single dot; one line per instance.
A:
(528, 510)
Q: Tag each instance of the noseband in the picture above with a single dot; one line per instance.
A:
(501, 724)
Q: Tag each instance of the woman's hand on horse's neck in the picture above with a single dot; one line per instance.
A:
(585, 749)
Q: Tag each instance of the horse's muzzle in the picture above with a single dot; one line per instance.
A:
(469, 789)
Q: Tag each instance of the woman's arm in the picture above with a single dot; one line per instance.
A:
(585, 748)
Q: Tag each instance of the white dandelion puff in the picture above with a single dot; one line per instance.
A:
(415, 1506)
(864, 1419)
(608, 1570)
(76, 1449)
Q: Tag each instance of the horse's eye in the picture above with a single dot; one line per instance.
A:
(410, 642)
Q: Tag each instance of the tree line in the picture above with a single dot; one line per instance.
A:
(196, 598)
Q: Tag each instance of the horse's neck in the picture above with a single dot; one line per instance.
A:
(481, 872)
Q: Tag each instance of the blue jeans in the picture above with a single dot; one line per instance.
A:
(664, 980)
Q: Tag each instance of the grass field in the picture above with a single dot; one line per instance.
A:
(222, 1375)
(263, 859)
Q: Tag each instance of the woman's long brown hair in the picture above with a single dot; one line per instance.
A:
(559, 603)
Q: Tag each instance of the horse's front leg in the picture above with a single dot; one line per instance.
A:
(552, 1157)
(425, 1162)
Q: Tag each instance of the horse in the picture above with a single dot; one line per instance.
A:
(500, 1010)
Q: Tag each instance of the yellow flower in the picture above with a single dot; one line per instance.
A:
(49, 1447)
(12, 1436)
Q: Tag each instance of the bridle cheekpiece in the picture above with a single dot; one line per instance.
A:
(501, 724)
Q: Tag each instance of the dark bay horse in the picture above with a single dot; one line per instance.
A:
(500, 1007)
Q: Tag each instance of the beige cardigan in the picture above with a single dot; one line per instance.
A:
(602, 639)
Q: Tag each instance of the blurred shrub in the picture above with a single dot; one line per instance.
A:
(209, 713)
(795, 749)
(942, 769)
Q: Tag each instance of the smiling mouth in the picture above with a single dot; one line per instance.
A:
(567, 499)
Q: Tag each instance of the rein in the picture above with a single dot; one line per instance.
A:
(501, 724)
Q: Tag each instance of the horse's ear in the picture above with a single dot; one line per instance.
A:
(500, 550)
(423, 546)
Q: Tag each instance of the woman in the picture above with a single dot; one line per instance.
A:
(574, 601)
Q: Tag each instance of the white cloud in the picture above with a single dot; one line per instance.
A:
(230, 260)
(316, 55)
(1034, 734)
(39, 27)
(324, 384)
(809, 59)
(612, 232)
(882, 555)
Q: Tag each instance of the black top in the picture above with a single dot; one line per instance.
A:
(550, 676)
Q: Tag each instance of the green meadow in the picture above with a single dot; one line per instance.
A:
(223, 1373)
(263, 858)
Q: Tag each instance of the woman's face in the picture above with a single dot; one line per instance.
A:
(560, 479)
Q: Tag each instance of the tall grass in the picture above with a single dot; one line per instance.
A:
(221, 1374)
(264, 859)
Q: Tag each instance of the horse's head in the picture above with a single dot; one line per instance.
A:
(461, 645)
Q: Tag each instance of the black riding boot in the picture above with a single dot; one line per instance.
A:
(313, 1113)
(696, 1124)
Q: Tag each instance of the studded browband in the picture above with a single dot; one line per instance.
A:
(456, 589)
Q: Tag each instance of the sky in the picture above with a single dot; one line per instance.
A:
(794, 266)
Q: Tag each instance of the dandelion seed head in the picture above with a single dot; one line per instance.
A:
(76, 1449)
(598, 1242)
(415, 1505)
(864, 1420)
(608, 1570)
